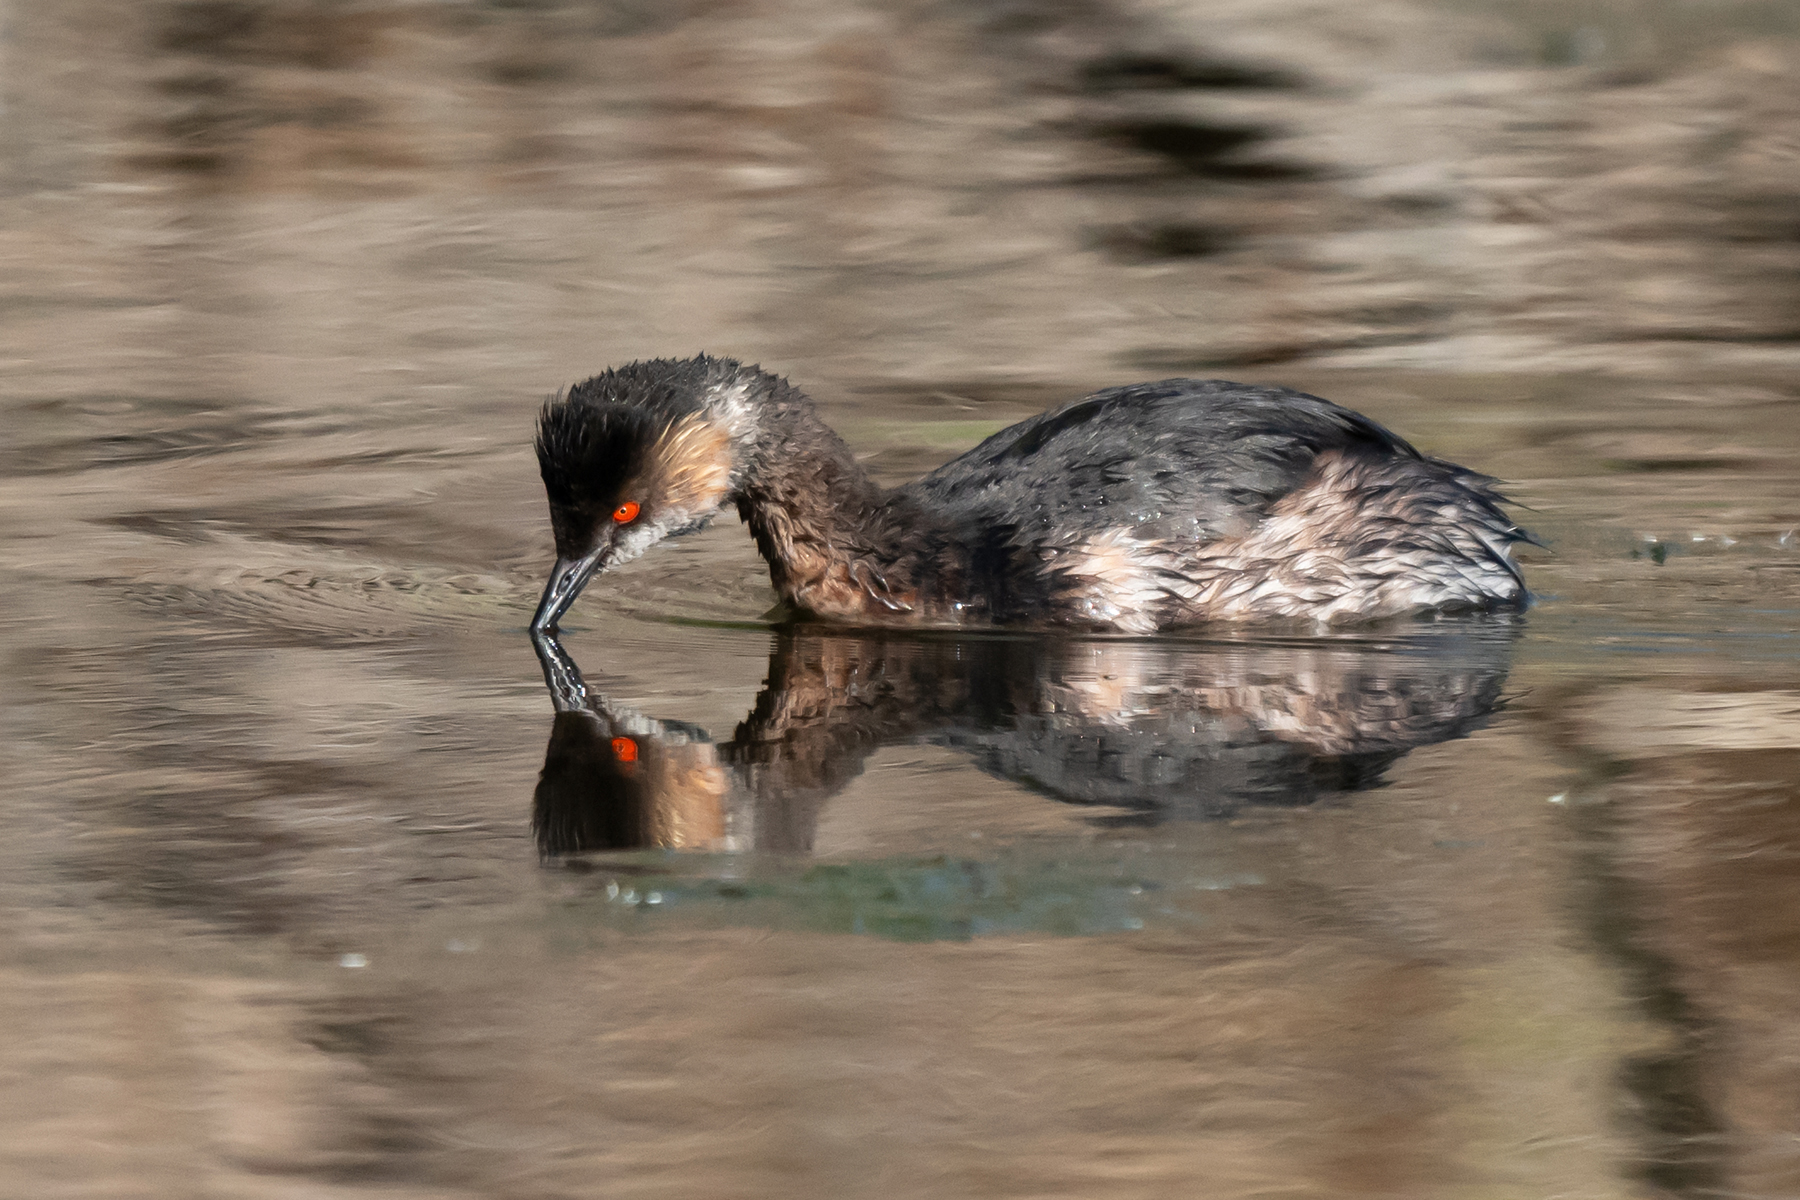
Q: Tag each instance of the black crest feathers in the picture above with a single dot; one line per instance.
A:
(596, 436)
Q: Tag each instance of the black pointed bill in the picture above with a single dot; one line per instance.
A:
(567, 578)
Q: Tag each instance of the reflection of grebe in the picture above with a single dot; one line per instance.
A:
(1148, 729)
(1136, 509)
(616, 779)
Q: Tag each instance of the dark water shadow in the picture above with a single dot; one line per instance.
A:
(1677, 1099)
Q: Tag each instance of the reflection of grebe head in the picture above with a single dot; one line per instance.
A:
(609, 787)
(630, 457)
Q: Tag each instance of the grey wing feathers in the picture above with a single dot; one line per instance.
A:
(1187, 458)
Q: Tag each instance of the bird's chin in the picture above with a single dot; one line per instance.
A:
(567, 578)
(695, 525)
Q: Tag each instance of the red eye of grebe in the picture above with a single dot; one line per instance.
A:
(627, 511)
(624, 749)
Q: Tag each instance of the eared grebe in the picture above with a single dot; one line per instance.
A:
(1136, 509)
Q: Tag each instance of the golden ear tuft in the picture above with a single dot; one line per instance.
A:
(695, 458)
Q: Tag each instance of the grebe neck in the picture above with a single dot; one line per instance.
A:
(819, 520)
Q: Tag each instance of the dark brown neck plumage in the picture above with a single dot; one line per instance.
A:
(832, 542)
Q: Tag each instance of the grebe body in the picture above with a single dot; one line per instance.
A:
(1138, 508)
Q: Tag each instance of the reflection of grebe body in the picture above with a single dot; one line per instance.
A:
(1141, 730)
(1136, 509)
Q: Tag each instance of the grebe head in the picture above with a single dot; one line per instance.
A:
(631, 457)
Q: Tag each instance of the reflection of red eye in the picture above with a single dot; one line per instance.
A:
(627, 511)
(624, 749)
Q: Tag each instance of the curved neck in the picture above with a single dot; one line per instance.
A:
(819, 520)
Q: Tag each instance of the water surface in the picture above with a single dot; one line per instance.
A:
(313, 886)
